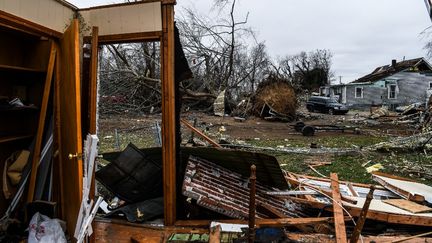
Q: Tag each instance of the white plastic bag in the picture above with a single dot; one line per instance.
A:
(46, 230)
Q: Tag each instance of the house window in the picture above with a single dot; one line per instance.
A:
(430, 85)
(392, 91)
(359, 92)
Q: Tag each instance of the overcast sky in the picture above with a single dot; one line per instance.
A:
(362, 34)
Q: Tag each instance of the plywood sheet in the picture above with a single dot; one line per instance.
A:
(124, 19)
(408, 205)
(48, 13)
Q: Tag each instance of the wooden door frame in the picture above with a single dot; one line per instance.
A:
(166, 39)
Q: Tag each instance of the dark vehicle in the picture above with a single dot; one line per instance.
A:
(326, 105)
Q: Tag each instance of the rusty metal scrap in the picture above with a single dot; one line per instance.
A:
(226, 192)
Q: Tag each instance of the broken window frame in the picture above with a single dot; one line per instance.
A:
(392, 94)
(361, 93)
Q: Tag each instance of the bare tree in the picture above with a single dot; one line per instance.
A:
(306, 70)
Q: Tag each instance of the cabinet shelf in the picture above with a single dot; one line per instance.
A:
(20, 69)
(19, 109)
(6, 139)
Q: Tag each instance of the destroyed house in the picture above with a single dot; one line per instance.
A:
(397, 84)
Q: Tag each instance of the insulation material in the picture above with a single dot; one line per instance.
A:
(227, 192)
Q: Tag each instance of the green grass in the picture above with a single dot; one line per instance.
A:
(327, 141)
(349, 167)
(107, 141)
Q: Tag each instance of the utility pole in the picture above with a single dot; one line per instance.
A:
(340, 79)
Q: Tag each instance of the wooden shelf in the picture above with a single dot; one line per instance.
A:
(18, 109)
(6, 139)
(20, 69)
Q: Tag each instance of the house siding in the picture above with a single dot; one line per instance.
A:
(411, 88)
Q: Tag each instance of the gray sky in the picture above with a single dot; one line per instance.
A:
(362, 34)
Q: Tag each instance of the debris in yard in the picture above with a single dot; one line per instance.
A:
(226, 192)
(383, 111)
(276, 96)
(375, 167)
(141, 211)
(219, 104)
(297, 150)
(412, 143)
(405, 188)
(132, 176)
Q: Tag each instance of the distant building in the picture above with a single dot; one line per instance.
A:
(400, 83)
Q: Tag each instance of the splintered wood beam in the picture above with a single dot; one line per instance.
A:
(339, 220)
(252, 203)
(361, 220)
(192, 128)
(41, 123)
(168, 115)
(215, 234)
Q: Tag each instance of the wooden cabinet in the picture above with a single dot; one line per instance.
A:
(23, 71)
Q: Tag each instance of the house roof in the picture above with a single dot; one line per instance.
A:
(387, 70)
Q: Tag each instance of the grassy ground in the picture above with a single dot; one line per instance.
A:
(350, 167)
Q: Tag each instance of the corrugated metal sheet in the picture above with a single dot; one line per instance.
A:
(226, 192)
(269, 172)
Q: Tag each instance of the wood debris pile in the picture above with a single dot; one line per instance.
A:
(216, 184)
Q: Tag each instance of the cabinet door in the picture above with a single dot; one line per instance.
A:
(70, 141)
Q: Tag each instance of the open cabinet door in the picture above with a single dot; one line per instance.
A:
(70, 140)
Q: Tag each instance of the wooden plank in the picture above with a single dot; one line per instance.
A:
(281, 222)
(187, 124)
(14, 138)
(337, 210)
(315, 188)
(362, 219)
(41, 123)
(70, 125)
(93, 80)
(132, 37)
(168, 115)
(215, 234)
(58, 194)
(92, 109)
(409, 206)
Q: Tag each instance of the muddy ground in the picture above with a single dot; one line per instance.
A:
(117, 131)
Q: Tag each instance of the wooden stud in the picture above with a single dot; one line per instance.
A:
(215, 234)
(41, 123)
(362, 218)
(168, 115)
(93, 80)
(337, 210)
(252, 204)
(192, 128)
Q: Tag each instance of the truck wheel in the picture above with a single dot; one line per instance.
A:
(331, 112)
(308, 131)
